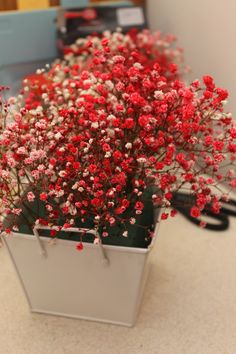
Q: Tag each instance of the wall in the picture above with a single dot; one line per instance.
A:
(6, 5)
(206, 29)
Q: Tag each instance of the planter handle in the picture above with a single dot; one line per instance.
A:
(43, 251)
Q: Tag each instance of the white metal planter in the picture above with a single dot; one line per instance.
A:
(59, 280)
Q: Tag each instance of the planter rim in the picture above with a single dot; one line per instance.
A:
(70, 243)
(91, 245)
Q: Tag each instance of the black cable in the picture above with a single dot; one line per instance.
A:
(221, 217)
(183, 203)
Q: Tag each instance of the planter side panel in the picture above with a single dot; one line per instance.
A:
(78, 284)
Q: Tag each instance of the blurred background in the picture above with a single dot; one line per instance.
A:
(30, 31)
(205, 29)
(7, 5)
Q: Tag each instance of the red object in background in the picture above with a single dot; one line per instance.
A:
(87, 14)
(36, 84)
(35, 79)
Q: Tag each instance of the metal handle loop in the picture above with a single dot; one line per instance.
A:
(43, 251)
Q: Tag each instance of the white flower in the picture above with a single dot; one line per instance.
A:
(72, 210)
(11, 100)
(109, 84)
(62, 173)
(41, 168)
(110, 132)
(95, 125)
(128, 146)
(60, 119)
(138, 66)
(107, 154)
(41, 124)
(39, 109)
(132, 221)
(40, 71)
(161, 83)
(75, 186)
(159, 95)
(111, 117)
(57, 136)
(59, 193)
(141, 160)
(96, 241)
(44, 96)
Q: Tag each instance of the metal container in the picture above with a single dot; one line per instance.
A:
(100, 283)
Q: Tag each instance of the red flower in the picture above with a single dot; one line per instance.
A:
(43, 222)
(139, 206)
(129, 123)
(218, 145)
(173, 213)
(208, 81)
(223, 94)
(232, 148)
(164, 216)
(117, 155)
(76, 165)
(106, 147)
(92, 168)
(143, 121)
(125, 203)
(120, 210)
(43, 197)
(53, 161)
(53, 233)
(159, 165)
(79, 246)
(195, 212)
(97, 202)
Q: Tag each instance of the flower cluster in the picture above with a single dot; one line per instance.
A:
(108, 122)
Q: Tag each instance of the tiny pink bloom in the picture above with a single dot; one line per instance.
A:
(30, 196)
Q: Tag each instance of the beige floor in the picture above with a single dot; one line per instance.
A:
(189, 306)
